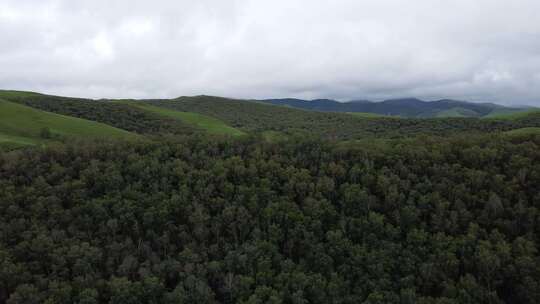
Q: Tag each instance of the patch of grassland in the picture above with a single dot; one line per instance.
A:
(512, 115)
(273, 136)
(25, 125)
(457, 112)
(210, 124)
(366, 115)
(10, 94)
(524, 131)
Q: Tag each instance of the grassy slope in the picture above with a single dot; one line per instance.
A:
(10, 141)
(21, 124)
(524, 131)
(210, 124)
(366, 115)
(457, 112)
(9, 94)
(273, 136)
(118, 115)
(512, 115)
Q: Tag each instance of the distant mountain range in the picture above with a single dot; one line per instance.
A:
(404, 107)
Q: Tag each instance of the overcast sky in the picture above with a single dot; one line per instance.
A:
(479, 50)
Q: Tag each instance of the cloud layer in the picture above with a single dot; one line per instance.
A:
(482, 50)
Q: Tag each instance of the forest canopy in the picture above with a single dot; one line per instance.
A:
(203, 220)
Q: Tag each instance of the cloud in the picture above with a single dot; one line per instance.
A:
(483, 50)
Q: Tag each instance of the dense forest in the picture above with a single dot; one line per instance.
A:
(194, 219)
(257, 117)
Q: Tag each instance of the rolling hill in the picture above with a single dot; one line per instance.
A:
(513, 115)
(457, 112)
(524, 131)
(24, 125)
(255, 116)
(217, 115)
(116, 114)
(134, 116)
(405, 107)
(210, 124)
(366, 115)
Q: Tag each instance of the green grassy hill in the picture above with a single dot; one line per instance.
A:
(11, 94)
(524, 131)
(116, 114)
(260, 117)
(217, 115)
(457, 112)
(11, 141)
(210, 124)
(513, 115)
(366, 115)
(24, 125)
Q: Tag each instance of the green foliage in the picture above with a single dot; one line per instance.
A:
(366, 115)
(118, 115)
(524, 131)
(215, 115)
(210, 124)
(404, 211)
(258, 117)
(45, 133)
(17, 141)
(273, 136)
(513, 115)
(11, 94)
(457, 112)
(24, 125)
(200, 220)
(403, 107)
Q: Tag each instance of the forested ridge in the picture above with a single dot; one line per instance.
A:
(256, 117)
(198, 220)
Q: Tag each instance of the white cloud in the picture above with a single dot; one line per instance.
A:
(103, 46)
(485, 50)
(137, 27)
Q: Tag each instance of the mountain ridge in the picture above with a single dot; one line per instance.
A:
(404, 107)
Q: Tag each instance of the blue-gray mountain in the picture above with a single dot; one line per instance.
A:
(405, 107)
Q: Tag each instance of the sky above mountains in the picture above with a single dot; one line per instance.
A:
(482, 50)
